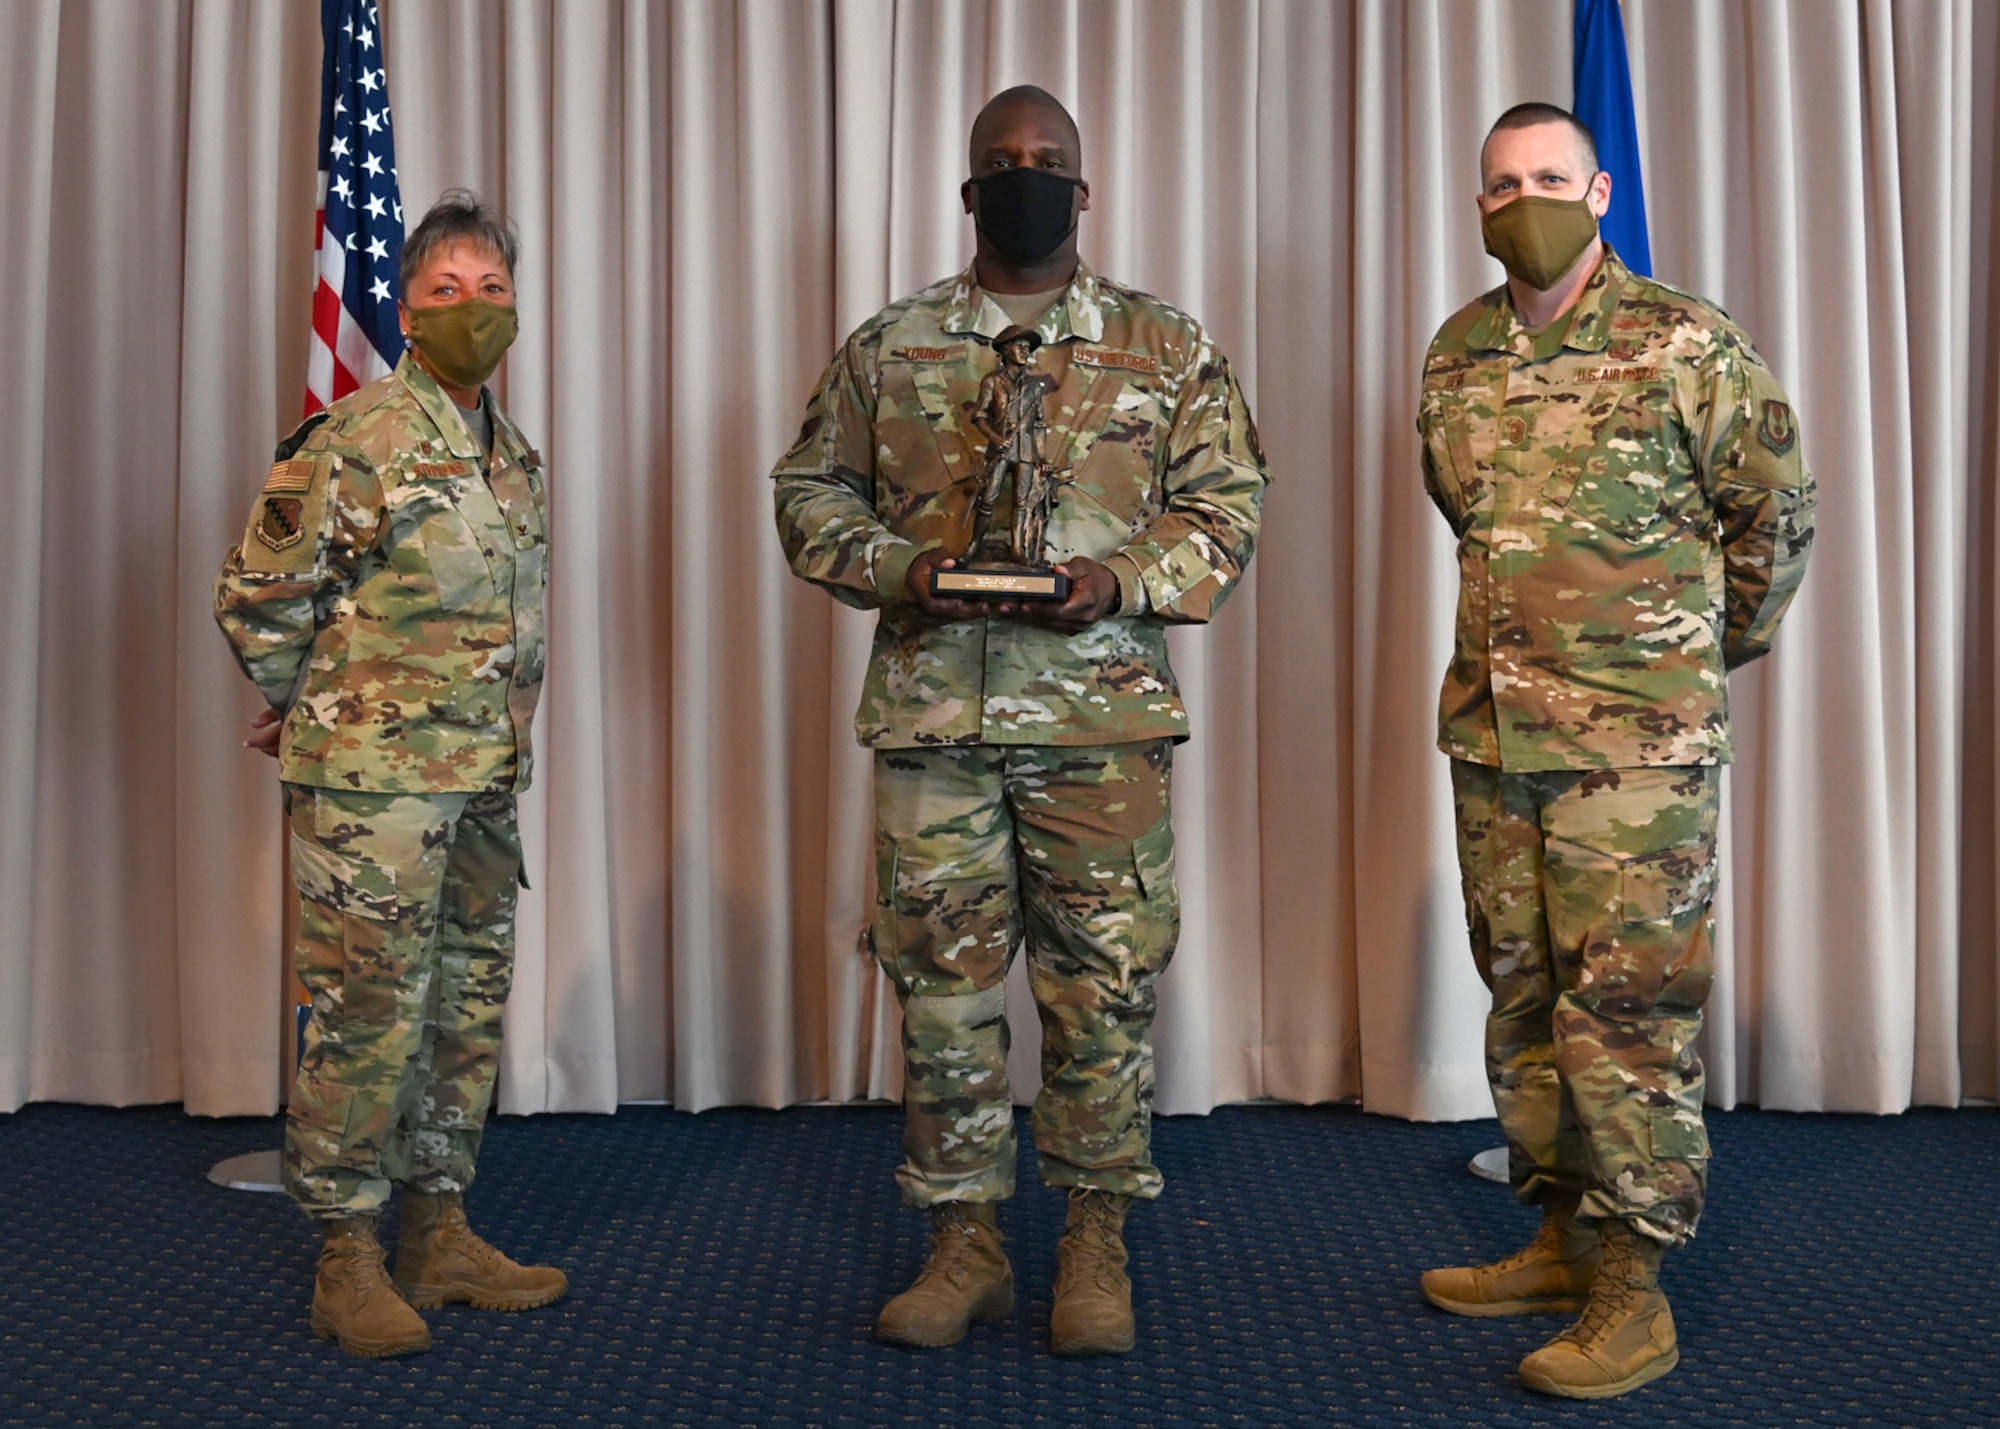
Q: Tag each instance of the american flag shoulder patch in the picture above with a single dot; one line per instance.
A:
(293, 475)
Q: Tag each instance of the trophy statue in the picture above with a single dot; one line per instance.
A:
(1010, 563)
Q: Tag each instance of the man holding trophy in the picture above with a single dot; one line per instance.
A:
(1019, 699)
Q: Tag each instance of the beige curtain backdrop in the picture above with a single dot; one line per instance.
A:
(710, 196)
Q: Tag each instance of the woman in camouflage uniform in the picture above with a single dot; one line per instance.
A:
(387, 601)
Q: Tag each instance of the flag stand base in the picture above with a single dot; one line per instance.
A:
(1488, 1165)
(254, 1171)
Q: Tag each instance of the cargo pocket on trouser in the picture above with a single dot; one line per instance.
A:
(945, 923)
(1665, 899)
(347, 938)
(343, 883)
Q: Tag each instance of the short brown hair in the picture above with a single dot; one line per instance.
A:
(458, 215)
(1527, 116)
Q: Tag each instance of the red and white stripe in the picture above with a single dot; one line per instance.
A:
(341, 358)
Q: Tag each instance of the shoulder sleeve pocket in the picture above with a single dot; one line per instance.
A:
(287, 533)
(1767, 443)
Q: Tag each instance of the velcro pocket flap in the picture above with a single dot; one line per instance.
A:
(1662, 887)
(344, 884)
(424, 516)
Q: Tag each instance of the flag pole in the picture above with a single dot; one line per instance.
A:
(358, 247)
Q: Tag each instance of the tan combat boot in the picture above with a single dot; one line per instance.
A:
(965, 1280)
(441, 1260)
(1552, 1274)
(1625, 1336)
(354, 1305)
(1093, 1310)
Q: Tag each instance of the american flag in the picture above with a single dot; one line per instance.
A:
(359, 229)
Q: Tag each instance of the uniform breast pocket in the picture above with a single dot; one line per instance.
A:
(925, 443)
(1621, 480)
(434, 539)
(1118, 432)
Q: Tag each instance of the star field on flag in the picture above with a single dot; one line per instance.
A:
(359, 229)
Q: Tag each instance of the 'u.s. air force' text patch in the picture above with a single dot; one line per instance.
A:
(1777, 430)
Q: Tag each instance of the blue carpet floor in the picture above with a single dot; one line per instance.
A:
(727, 1267)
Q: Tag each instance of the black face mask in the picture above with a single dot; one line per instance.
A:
(1024, 213)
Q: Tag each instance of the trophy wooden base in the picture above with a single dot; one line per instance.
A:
(1000, 583)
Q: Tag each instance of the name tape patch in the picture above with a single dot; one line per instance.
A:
(925, 354)
(437, 470)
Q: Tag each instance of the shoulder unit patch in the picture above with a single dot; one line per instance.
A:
(1777, 430)
(281, 522)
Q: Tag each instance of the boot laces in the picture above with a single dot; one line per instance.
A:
(1546, 1244)
(1612, 1294)
(361, 1264)
(954, 1237)
(1091, 1245)
(462, 1238)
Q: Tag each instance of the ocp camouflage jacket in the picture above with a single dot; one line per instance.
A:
(1164, 482)
(1633, 515)
(387, 596)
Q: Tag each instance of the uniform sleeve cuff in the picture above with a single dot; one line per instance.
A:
(1131, 590)
(892, 572)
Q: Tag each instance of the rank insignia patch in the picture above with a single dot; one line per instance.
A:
(1777, 431)
(282, 522)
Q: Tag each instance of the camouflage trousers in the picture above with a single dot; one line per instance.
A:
(406, 943)
(1588, 898)
(979, 847)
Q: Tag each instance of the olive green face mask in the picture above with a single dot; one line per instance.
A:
(1537, 239)
(464, 342)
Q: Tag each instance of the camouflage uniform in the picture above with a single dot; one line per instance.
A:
(1021, 774)
(387, 597)
(1633, 516)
